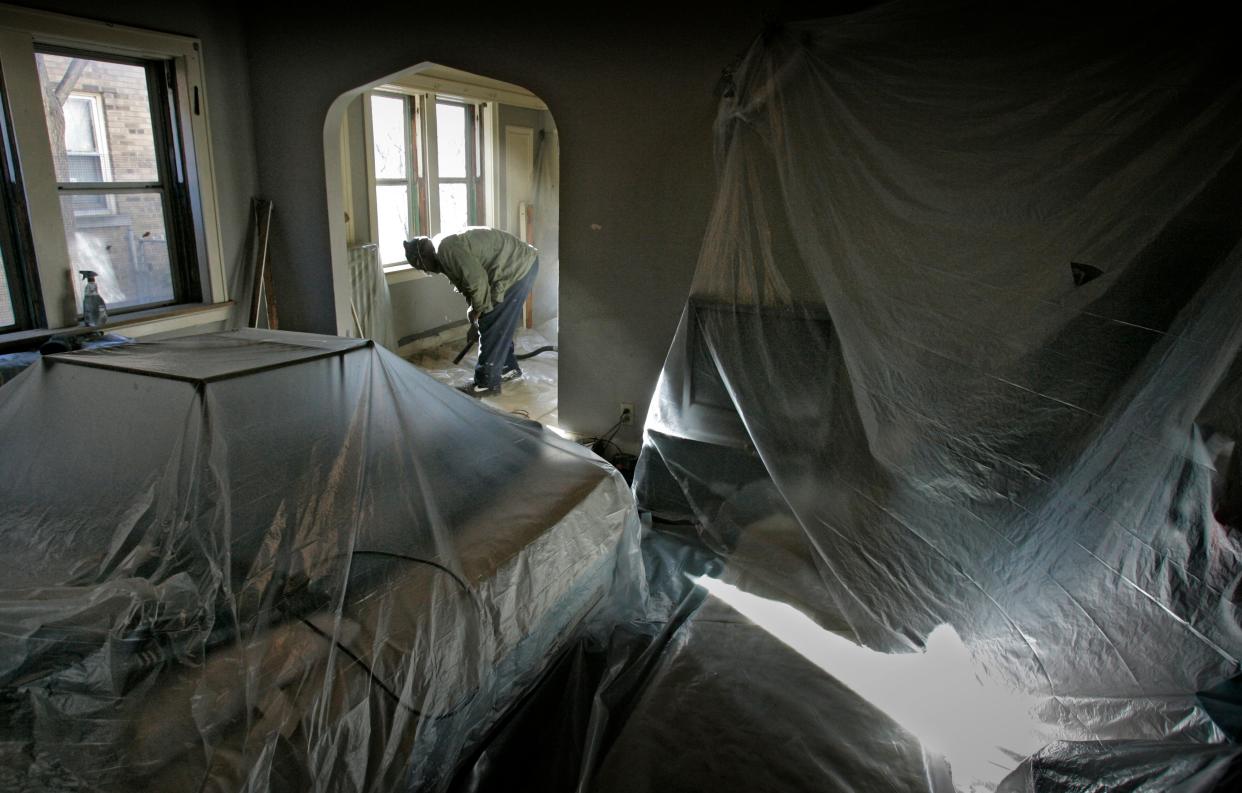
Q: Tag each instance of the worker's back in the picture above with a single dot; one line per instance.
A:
(503, 258)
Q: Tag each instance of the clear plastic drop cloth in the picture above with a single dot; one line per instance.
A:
(270, 561)
(956, 399)
(532, 396)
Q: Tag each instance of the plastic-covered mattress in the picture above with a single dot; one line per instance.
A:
(275, 561)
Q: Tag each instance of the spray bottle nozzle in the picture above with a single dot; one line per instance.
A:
(89, 275)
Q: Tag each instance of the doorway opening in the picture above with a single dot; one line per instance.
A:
(428, 151)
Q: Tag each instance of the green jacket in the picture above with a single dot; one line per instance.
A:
(482, 263)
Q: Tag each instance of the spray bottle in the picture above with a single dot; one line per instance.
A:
(94, 312)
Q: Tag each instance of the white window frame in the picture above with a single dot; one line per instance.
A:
(424, 164)
(413, 165)
(22, 31)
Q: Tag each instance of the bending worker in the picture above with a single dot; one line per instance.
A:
(494, 271)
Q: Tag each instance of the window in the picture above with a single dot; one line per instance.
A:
(7, 315)
(86, 149)
(111, 127)
(117, 200)
(426, 168)
(395, 217)
(16, 310)
(456, 177)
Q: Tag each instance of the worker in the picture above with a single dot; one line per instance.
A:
(494, 271)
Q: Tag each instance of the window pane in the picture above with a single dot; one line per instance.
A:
(80, 133)
(451, 140)
(392, 210)
(85, 168)
(102, 108)
(6, 299)
(453, 212)
(388, 123)
(128, 249)
(90, 204)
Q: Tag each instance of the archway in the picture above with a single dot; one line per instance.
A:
(425, 151)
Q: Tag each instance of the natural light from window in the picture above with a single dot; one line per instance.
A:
(99, 119)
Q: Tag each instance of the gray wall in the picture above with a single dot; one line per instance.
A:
(424, 304)
(633, 101)
(634, 104)
(228, 95)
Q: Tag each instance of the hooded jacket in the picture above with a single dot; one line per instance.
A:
(483, 263)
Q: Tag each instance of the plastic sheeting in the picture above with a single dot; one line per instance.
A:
(532, 396)
(547, 179)
(371, 303)
(957, 395)
(268, 561)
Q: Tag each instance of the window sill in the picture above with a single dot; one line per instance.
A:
(397, 273)
(136, 324)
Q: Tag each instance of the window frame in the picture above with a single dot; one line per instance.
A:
(183, 142)
(413, 166)
(473, 175)
(16, 247)
(102, 151)
(422, 163)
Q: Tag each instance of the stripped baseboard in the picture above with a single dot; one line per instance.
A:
(430, 339)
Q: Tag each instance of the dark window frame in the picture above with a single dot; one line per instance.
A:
(16, 244)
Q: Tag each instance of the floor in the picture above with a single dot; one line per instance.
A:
(531, 396)
(697, 697)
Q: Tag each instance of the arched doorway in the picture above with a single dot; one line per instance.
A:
(426, 151)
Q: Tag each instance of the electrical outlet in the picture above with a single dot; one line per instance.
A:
(627, 412)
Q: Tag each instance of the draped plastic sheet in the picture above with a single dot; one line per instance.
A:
(271, 561)
(957, 393)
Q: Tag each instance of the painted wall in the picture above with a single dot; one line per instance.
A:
(632, 94)
(227, 88)
(634, 105)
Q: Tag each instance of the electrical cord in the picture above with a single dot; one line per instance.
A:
(419, 560)
(396, 698)
(618, 458)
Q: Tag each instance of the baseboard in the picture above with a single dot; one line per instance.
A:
(430, 339)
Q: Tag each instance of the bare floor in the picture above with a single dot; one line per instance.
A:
(533, 395)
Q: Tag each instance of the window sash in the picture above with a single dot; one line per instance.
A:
(177, 219)
(182, 137)
(422, 180)
(16, 249)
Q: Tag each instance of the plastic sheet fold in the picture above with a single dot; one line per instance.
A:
(269, 561)
(958, 384)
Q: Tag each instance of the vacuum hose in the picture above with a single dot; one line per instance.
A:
(472, 338)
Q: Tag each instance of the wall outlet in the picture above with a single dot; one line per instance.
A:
(627, 412)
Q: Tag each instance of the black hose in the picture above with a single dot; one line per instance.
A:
(394, 696)
(537, 351)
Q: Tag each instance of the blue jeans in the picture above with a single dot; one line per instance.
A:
(496, 329)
